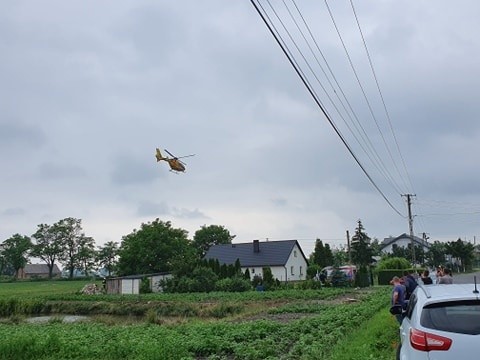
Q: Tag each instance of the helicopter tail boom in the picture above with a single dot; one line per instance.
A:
(159, 156)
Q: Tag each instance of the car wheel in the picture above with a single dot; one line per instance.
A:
(399, 348)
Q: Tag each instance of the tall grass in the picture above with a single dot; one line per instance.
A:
(376, 339)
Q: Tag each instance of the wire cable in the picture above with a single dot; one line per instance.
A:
(358, 80)
(309, 89)
(382, 99)
(375, 157)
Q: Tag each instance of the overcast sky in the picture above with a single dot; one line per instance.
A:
(89, 89)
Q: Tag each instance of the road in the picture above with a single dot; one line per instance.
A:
(466, 278)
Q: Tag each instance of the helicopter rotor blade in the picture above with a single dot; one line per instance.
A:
(181, 157)
(169, 153)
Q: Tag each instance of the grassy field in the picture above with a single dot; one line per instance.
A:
(290, 324)
(42, 288)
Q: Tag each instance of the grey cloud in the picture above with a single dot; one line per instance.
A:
(188, 214)
(21, 134)
(14, 211)
(148, 208)
(280, 202)
(56, 171)
(128, 170)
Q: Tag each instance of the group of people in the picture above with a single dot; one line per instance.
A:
(403, 287)
(444, 275)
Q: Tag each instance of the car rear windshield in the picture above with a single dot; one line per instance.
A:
(462, 317)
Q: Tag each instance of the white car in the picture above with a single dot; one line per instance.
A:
(441, 322)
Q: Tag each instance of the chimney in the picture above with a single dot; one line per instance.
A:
(256, 246)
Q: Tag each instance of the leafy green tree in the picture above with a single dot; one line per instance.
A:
(435, 255)
(399, 252)
(328, 255)
(107, 256)
(86, 254)
(322, 254)
(48, 246)
(16, 251)
(3, 263)
(69, 231)
(152, 248)
(419, 253)
(211, 235)
(360, 248)
(340, 257)
(462, 251)
(376, 247)
(186, 261)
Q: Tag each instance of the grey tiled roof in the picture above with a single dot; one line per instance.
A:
(40, 269)
(272, 253)
(392, 240)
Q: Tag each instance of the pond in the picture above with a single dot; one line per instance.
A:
(59, 318)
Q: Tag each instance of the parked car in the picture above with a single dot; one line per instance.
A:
(441, 322)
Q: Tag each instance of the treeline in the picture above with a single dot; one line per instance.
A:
(155, 247)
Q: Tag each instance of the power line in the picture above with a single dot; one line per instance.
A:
(382, 99)
(358, 80)
(376, 160)
(317, 101)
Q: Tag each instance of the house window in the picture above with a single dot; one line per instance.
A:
(295, 253)
(301, 271)
(253, 271)
(291, 270)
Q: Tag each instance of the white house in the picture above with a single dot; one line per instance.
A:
(285, 258)
(404, 241)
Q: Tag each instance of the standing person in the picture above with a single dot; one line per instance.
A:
(446, 278)
(410, 283)
(426, 279)
(439, 273)
(398, 296)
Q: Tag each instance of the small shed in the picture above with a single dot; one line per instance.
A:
(130, 284)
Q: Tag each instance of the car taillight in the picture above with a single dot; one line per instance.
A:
(425, 341)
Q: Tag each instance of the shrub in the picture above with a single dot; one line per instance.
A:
(308, 284)
(393, 263)
(145, 286)
(268, 280)
(339, 279)
(235, 284)
(362, 277)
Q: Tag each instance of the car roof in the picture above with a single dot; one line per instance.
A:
(449, 291)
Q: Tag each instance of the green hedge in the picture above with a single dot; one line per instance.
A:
(384, 276)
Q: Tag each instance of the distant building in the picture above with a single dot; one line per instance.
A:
(403, 241)
(35, 271)
(131, 284)
(285, 258)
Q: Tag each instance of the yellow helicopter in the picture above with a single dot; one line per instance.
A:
(176, 165)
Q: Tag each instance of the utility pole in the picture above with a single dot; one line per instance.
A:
(410, 224)
(348, 249)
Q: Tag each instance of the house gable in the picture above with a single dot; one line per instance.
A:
(402, 241)
(285, 258)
